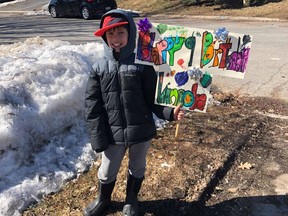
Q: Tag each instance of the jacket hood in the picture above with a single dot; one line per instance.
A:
(129, 48)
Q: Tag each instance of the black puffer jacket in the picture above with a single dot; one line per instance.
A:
(120, 97)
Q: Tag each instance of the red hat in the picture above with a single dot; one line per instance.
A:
(110, 22)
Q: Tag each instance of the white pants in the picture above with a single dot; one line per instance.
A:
(113, 156)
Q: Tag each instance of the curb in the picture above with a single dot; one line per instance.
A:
(237, 18)
(41, 12)
(17, 12)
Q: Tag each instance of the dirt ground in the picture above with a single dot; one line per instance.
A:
(222, 162)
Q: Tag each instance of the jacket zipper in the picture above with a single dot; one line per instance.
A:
(124, 126)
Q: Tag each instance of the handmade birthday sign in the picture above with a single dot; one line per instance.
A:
(185, 59)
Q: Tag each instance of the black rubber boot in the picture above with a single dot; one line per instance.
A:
(131, 201)
(103, 201)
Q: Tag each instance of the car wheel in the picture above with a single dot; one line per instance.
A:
(53, 12)
(86, 13)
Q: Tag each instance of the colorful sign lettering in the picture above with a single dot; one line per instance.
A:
(176, 52)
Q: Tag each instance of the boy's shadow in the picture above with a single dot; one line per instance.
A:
(171, 207)
(239, 206)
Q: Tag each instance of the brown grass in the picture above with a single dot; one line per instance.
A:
(276, 10)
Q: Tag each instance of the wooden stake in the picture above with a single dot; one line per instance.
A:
(177, 130)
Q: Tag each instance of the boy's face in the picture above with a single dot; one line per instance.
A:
(117, 37)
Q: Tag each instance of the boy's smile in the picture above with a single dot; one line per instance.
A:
(117, 37)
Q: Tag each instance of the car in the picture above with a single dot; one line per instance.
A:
(86, 9)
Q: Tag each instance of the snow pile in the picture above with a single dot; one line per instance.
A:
(43, 139)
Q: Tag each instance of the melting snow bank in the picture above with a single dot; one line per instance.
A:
(43, 142)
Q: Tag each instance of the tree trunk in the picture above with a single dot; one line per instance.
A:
(246, 3)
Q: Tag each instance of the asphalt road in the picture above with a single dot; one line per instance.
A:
(267, 70)
(28, 5)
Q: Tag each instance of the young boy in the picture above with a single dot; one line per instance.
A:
(119, 105)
